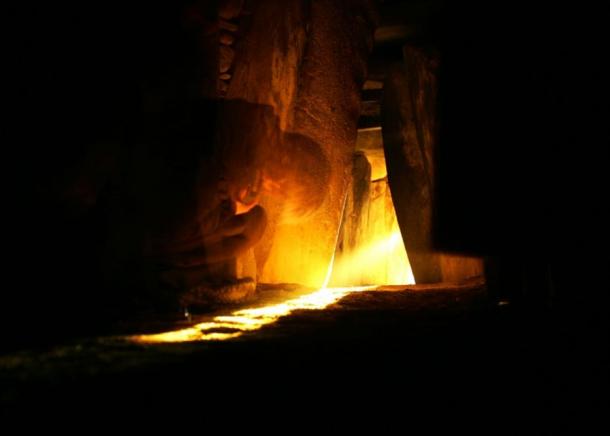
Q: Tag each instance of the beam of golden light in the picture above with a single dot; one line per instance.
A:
(331, 264)
(246, 320)
(384, 261)
(372, 259)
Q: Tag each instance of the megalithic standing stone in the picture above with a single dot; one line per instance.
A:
(407, 112)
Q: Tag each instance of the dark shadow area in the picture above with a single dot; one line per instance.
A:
(107, 130)
(523, 147)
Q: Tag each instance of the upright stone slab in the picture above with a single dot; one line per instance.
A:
(408, 130)
(409, 135)
(306, 60)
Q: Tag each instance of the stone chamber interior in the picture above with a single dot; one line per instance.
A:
(177, 164)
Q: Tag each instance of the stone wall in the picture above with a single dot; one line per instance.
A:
(307, 61)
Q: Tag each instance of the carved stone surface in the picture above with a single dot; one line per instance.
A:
(308, 62)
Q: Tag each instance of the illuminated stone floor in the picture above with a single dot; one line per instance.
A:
(425, 344)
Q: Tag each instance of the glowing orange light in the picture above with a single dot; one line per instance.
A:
(383, 262)
(246, 320)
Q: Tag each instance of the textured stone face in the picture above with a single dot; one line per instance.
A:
(408, 148)
(409, 132)
(307, 61)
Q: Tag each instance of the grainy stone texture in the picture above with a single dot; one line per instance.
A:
(409, 132)
(308, 61)
(236, 292)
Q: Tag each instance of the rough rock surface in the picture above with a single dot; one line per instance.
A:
(308, 61)
(238, 291)
(409, 133)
